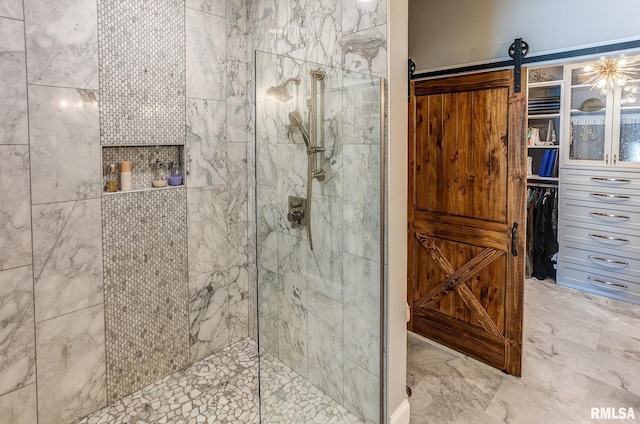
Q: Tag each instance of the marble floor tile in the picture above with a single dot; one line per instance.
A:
(223, 388)
(572, 362)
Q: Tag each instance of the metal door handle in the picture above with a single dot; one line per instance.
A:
(609, 215)
(611, 180)
(607, 261)
(608, 283)
(514, 250)
(610, 196)
(609, 238)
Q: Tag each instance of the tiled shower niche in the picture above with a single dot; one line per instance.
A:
(142, 159)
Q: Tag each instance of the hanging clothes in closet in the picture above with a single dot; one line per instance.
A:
(542, 231)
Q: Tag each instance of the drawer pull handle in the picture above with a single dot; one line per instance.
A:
(609, 238)
(611, 180)
(608, 283)
(609, 215)
(610, 196)
(612, 262)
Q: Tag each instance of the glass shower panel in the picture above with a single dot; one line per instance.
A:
(319, 319)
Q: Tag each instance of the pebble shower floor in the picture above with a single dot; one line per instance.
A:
(223, 388)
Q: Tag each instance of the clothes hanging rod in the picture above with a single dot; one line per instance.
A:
(588, 51)
(542, 185)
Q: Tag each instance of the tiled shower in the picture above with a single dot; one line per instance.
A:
(102, 294)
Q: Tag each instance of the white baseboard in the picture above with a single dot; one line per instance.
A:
(402, 414)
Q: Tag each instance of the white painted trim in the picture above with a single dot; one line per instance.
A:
(402, 414)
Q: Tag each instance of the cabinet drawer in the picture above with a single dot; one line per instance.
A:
(606, 260)
(593, 280)
(601, 238)
(601, 197)
(618, 217)
(602, 179)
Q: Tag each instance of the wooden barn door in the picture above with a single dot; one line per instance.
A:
(467, 225)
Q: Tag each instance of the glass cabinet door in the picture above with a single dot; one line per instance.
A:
(626, 124)
(588, 117)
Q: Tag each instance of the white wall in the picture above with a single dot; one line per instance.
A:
(455, 32)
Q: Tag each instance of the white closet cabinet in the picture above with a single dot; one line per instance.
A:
(599, 210)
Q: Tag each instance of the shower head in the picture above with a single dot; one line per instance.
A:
(280, 92)
(296, 121)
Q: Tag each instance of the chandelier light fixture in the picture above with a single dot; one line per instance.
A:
(608, 73)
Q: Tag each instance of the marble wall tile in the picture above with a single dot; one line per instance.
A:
(62, 43)
(361, 99)
(326, 22)
(359, 15)
(361, 212)
(142, 83)
(208, 313)
(17, 345)
(325, 260)
(15, 212)
(325, 345)
(67, 244)
(12, 9)
(71, 365)
(214, 7)
(292, 181)
(267, 161)
(292, 17)
(361, 393)
(361, 311)
(206, 143)
(267, 228)
(237, 182)
(293, 347)
(238, 263)
(20, 406)
(206, 70)
(292, 262)
(237, 31)
(13, 86)
(366, 51)
(65, 146)
(145, 287)
(237, 115)
(268, 323)
(207, 229)
(238, 321)
(264, 21)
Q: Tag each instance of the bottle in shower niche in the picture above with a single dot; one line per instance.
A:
(175, 174)
(112, 179)
(159, 175)
(125, 175)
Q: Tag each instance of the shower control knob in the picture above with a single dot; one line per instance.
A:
(295, 216)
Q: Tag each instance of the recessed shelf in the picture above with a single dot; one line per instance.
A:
(110, 193)
(537, 178)
(543, 115)
(555, 146)
(553, 83)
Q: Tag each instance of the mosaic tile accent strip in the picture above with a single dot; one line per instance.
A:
(222, 389)
(142, 158)
(142, 71)
(145, 287)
